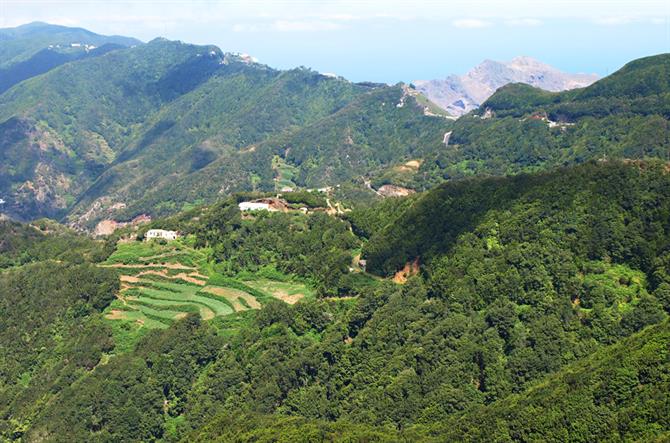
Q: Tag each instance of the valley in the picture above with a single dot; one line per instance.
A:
(163, 283)
(195, 246)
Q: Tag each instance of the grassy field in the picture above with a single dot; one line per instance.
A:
(162, 283)
(284, 174)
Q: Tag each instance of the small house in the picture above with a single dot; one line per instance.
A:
(254, 206)
(160, 234)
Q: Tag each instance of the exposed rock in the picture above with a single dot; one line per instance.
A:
(105, 227)
(394, 191)
(410, 269)
(461, 94)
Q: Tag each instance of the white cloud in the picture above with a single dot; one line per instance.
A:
(658, 21)
(612, 21)
(305, 26)
(289, 26)
(523, 22)
(246, 27)
(470, 23)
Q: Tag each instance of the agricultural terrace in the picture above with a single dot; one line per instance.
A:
(163, 282)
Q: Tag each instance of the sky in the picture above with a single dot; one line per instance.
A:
(381, 40)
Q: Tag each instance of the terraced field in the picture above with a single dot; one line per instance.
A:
(284, 174)
(163, 283)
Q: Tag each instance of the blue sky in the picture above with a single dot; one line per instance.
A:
(386, 41)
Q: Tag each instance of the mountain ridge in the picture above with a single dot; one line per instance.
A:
(461, 94)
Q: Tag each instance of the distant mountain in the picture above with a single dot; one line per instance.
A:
(461, 94)
(35, 48)
(522, 128)
(176, 123)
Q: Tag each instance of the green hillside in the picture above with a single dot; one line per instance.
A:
(35, 48)
(524, 129)
(61, 136)
(89, 143)
(516, 288)
(618, 393)
(23, 42)
(528, 287)
(176, 124)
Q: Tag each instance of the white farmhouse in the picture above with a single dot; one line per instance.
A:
(254, 206)
(161, 233)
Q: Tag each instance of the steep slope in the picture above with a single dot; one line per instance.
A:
(206, 143)
(521, 128)
(530, 281)
(432, 224)
(461, 94)
(75, 120)
(35, 48)
(342, 137)
(618, 393)
(176, 123)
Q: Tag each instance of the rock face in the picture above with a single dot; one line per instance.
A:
(461, 94)
(394, 191)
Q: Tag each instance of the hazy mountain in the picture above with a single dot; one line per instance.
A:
(35, 48)
(522, 128)
(461, 94)
(175, 123)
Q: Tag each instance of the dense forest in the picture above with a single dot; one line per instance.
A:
(540, 285)
(525, 129)
(518, 290)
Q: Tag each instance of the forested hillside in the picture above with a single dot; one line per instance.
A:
(176, 124)
(529, 286)
(89, 143)
(33, 49)
(525, 129)
(520, 294)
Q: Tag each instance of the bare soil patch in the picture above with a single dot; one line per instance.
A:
(115, 314)
(180, 276)
(233, 296)
(129, 279)
(410, 269)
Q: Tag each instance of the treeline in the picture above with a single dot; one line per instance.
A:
(624, 115)
(316, 247)
(45, 239)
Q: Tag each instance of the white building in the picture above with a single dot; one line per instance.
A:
(254, 206)
(161, 233)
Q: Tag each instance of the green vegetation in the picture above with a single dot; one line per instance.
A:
(532, 307)
(618, 393)
(44, 239)
(284, 174)
(624, 115)
(183, 124)
(315, 247)
(36, 48)
(191, 117)
(531, 288)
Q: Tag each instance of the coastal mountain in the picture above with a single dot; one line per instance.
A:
(35, 48)
(460, 94)
(522, 128)
(176, 124)
(90, 143)
(249, 280)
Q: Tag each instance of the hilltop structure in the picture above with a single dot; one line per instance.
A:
(161, 233)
